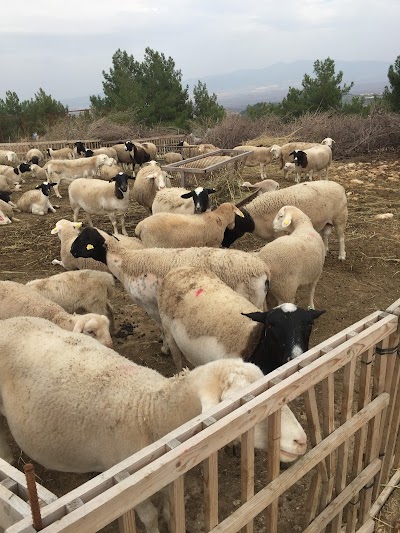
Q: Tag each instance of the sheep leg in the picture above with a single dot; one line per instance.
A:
(56, 191)
(89, 219)
(310, 175)
(175, 351)
(342, 250)
(5, 450)
(123, 229)
(110, 315)
(76, 213)
(312, 292)
(113, 219)
(263, 171)
(148, 516)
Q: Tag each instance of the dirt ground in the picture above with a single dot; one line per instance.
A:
(368, 280)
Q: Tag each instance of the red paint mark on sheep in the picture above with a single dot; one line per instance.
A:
(198, 292)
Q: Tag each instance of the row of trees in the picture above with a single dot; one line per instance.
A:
(150, 93)
(325, 92)
(22, 118)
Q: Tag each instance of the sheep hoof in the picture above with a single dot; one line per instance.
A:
(342, 257)
(164, 350)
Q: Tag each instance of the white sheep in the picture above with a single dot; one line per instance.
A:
(17, 299)
(206, 148)
(261, 155)
(140, 271)
(86, 291)
(172, 157)
(149, 180)
(87, 167)
(6, 213)
(295, 260)
(180, 200)
(324, 202)
(173, 230)
(312, 160)
(291, 168)
(98, 197)
(107, 173)
(109, 151)
(204, 320)
(151, 149)
(39, 172)
(282, 153)
(76, 406)
(37, 201)
(36, 156)
(7, 157)
(263, 186)
(62, 153)
(8, 184)
(67, 232)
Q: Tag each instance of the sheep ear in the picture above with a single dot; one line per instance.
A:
(54, 231)
(314, 313)
(112, 179)
(258, 316)
(77, 224)
(187, 195)
(237, 211)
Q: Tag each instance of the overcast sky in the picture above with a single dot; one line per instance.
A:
(63, 47)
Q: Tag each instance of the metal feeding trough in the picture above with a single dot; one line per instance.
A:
(187, 166)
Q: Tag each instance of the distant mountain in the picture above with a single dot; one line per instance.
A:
(240, 88)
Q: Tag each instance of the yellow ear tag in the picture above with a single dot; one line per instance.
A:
(54, 231)
(285, 222)
(89, 247)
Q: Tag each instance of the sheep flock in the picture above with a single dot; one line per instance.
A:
(190, 281)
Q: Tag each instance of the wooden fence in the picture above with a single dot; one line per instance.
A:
(349, 387)
(164, 144)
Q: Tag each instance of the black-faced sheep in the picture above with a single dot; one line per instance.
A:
(173, 230)
(62, 153)
(37, 201)
(204, 320)
(97, 197)
(314, 159)
(180, 200)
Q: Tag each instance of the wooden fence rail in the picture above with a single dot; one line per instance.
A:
(349, 386)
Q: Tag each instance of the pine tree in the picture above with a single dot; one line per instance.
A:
(392, 95)
(206, 109)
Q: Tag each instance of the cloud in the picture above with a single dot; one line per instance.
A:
(65, 46)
